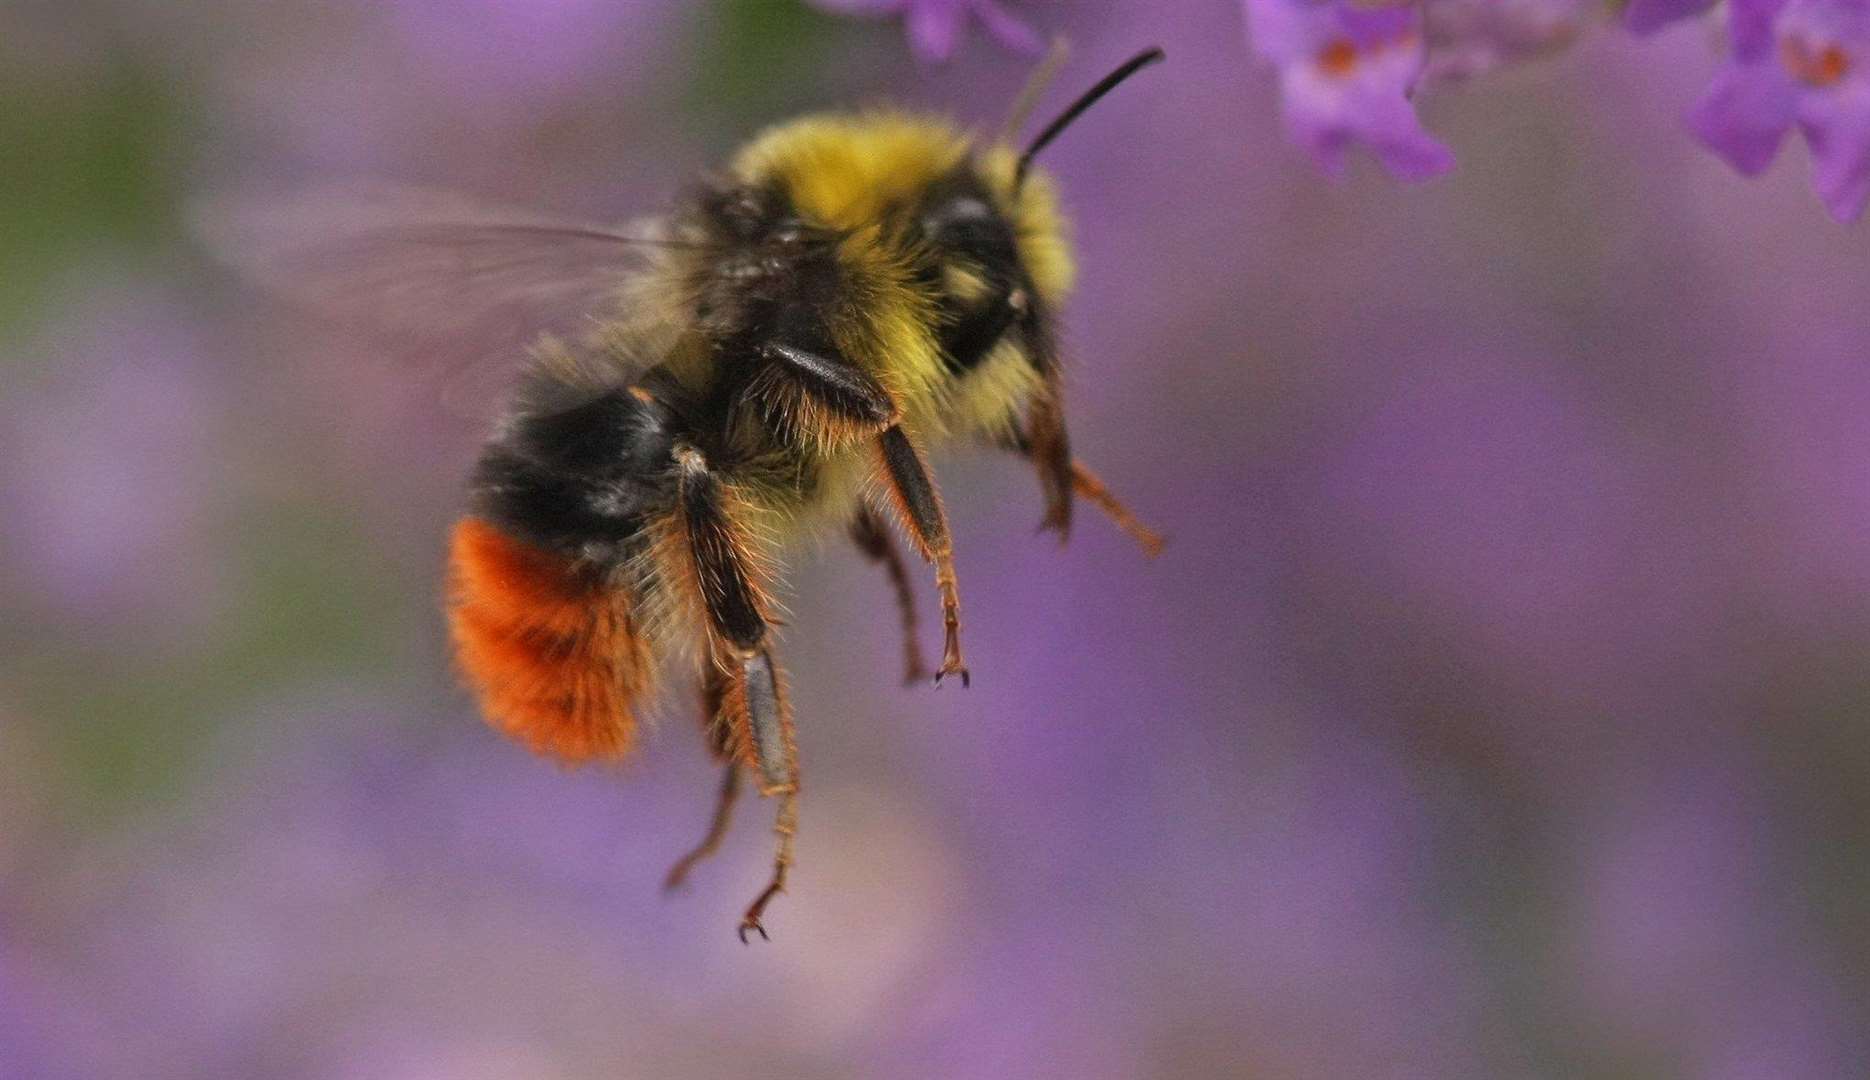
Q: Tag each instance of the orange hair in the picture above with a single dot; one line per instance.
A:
(552, 652)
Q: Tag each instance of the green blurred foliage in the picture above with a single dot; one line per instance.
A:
(755, 60)
(99, 164)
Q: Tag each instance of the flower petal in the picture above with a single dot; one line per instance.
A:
(1007, 28)
(1750, 27)
(935, 27)
(1649, 16)
(1468, 37)
(1745, 114)
(1837, 128)
(1346, 74)
(1325, 114)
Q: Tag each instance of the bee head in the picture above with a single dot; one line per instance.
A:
(910, 247)
(904, 195)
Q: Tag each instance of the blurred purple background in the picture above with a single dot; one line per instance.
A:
(1498, 709)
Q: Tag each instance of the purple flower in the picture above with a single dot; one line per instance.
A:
(1346, 73)
(935, 25)
(1800, 63)
(1748, 20)
(1649, 16)
(1467, 37)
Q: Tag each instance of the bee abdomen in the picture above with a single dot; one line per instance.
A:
(554, 653)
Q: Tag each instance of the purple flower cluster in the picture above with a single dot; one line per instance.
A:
(1350, 71)
(1796, 63)
(935, 26)
(1347, 72)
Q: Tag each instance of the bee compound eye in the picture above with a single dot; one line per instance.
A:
(971, 226)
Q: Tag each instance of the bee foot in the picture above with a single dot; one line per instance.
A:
(951, 655)
(751, 920)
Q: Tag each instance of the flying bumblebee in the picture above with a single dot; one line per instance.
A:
(774, 358)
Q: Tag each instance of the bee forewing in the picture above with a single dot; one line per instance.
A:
(454, 285)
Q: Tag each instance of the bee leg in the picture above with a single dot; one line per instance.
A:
(873, 539)
(719, 728)
(1048, 447)
(1086, 484)
(817, 395)
(759, 693)
(919, 504)
(752, 697)
(717, 829)
(835, 383)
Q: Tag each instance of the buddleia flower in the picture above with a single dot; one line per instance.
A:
(1346, 76)
(935, 26)
(1469, 37)
(1801, 64)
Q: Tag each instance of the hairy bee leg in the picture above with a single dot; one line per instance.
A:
(717, 828)
(718, 727)
(761, 697)
(849, 392)
(716, 718)
(753, 697)
(873, 539)
(814, 395)
(754, 705)
(735, 605)
(1086, 484)
(744, 683)
(1047, 446)
(920, 506)
(786, 825)
(767, 717)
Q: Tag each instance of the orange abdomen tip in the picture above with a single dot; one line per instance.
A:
(552, 652)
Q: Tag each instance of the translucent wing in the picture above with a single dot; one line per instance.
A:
(460, 287)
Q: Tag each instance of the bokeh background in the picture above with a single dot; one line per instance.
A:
(1498, 709)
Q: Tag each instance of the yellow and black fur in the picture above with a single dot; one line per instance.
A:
(855, 291)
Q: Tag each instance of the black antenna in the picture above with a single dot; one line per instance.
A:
(1085, 100)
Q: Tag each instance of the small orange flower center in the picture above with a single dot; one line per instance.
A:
(1337, 58)
(1815, 65)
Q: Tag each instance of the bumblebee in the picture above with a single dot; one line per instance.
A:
(774, 358)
